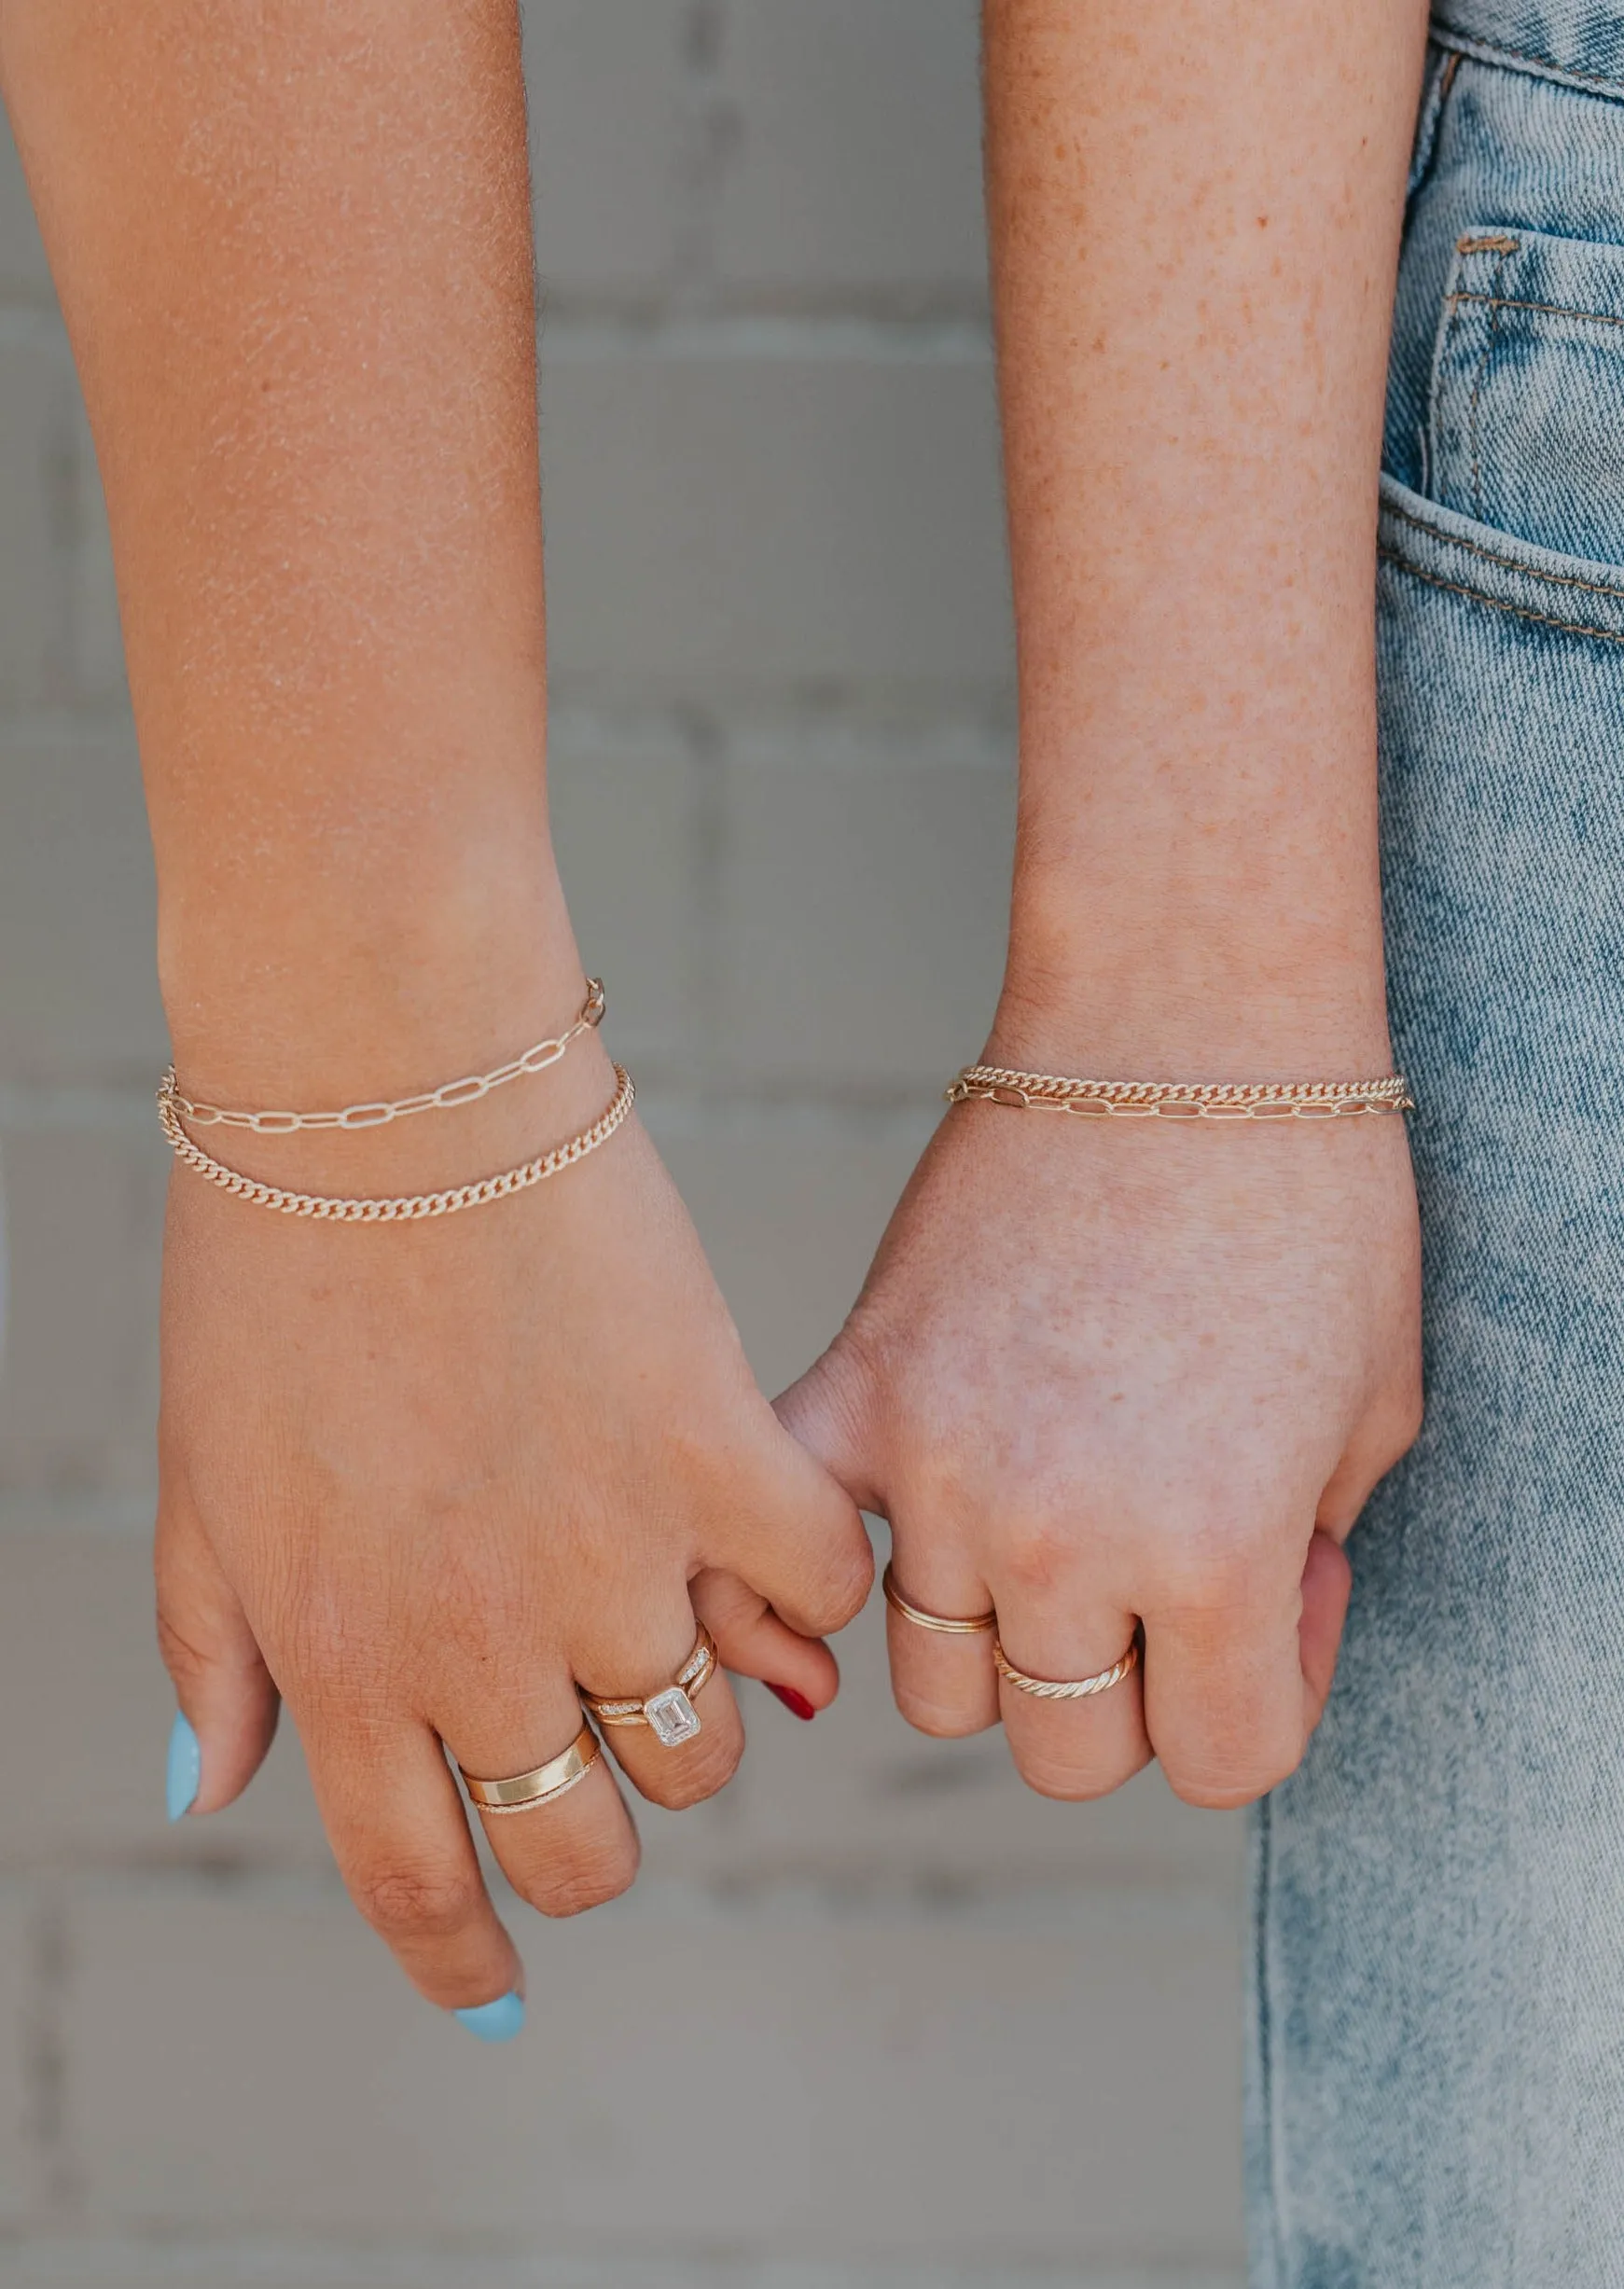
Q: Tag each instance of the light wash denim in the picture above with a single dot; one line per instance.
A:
(1436, 2075)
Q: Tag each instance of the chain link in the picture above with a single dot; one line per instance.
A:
(447, 1098)
(324, 1208)
(1047, 1092)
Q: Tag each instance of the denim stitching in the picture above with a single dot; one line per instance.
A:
(1497, 604)
(1526, 55)
(1477, 379)
(1507, 563)
(1446, 335)
(1551, 309)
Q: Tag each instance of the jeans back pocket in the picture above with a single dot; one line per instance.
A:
(1526, 419)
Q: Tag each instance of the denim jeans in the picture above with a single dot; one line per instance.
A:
(1436, 2073)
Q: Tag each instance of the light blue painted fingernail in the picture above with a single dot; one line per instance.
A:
(186, 1769)
(494, 2022)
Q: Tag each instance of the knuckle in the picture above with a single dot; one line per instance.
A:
(948, 1482)
(819, 1610)
(1213, 1566)
(1402, 1423)
(321, 1634)
(1216, 1796)
(182, 1656)
(841, 1594)
(590, 1880)
(1224, 1787)
(947, 1720)
(725, 1602)
(403, 1900)
(1069, 1782)
(1039, 1548)
(692, 1778)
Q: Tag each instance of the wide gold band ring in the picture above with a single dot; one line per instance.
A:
(669, 1714)
(1067, 1688)
(943, 1623)
(526, 1789)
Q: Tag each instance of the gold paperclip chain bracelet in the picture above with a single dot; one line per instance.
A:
(174, 1111)
(411, 1208)
(445, 1099)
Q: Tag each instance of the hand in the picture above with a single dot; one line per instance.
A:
(1105, 1374)
(420, 1480)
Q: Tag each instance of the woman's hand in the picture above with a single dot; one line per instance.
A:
(1105, 1374)
(422, 1481)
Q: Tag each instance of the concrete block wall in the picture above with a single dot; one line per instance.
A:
(927, 2032)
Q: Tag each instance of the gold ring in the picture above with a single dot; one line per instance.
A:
(526, 1789)
(669, 1714)
(1067, 1688)
(941, 1622)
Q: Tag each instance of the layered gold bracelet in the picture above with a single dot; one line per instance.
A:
(447, 1098)
(175, 1110)
(1213, 1101)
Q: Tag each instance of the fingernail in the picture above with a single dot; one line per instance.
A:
(186, 1769)
(494, 2022)
(797, 1703)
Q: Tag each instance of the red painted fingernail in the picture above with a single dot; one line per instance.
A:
(797, 1703)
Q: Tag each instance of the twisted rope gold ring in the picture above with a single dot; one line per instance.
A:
(1067, 1688)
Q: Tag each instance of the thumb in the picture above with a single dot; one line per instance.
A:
(227, 1701)
(828, 1412)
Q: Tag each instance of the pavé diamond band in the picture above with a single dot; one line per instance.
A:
(669, 1714)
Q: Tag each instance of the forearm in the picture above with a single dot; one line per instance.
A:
(292, 245)
(1195, 218)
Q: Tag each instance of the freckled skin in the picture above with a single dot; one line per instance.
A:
(418, 1481)
(295, 268)
(1105, 1374)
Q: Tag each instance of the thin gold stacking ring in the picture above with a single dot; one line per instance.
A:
(542, 1785)
(944, 1624)
(669, 1713)
(1067, 1688)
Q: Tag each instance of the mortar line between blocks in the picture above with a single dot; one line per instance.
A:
(44, 2068)
(294, 2260)
(708, 127)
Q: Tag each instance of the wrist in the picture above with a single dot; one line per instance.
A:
(485, 993)
(344, 990)
(1187, 994)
